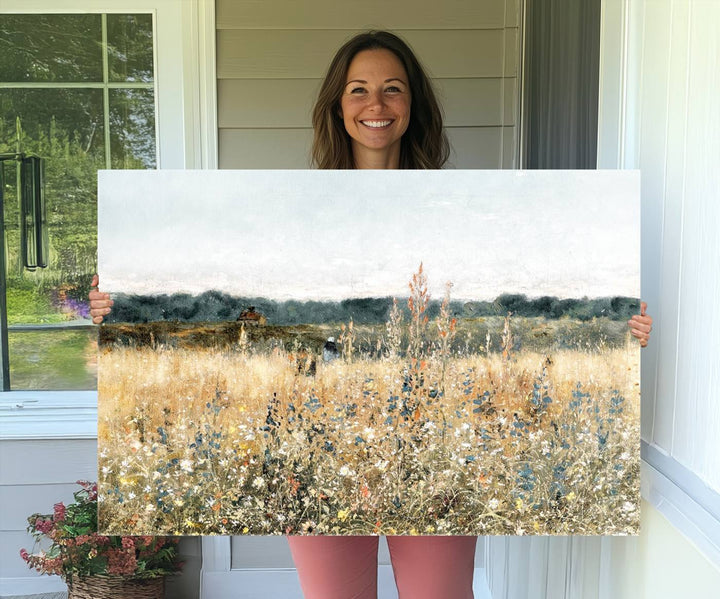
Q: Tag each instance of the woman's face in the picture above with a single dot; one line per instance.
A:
(375, 105)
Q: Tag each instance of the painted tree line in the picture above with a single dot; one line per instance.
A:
(212, 306)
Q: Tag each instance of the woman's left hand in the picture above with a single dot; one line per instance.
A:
(641, 325)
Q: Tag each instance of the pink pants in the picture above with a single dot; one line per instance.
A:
(332, 567)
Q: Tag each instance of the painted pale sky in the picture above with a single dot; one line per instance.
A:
(330, 235)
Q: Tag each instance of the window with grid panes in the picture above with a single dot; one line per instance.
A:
(79, 91)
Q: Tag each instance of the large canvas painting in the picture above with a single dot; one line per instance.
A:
(369, 352)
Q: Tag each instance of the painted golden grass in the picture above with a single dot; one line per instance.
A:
(238, 441)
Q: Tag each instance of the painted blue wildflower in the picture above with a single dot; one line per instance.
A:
(163, 435)
(313, 404)
(392, 402)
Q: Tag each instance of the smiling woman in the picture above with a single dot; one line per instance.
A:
(375, 78)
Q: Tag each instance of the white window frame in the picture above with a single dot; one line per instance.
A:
(186, 129)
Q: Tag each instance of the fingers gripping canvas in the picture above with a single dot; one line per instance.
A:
(369, 352)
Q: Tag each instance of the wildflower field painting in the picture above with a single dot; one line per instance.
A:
(369, 352)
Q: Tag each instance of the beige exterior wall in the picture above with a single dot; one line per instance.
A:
(660, 564)
(271, 58)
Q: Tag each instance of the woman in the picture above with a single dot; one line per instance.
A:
(377, 110)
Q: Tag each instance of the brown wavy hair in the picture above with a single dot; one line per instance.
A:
(423, 146)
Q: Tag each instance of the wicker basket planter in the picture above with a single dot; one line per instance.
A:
(116, 587)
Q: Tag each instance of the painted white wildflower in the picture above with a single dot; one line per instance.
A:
(369, 433)
(493, 504)
(258, 482)
(186, 465)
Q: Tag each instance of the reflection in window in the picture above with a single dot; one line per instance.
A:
(132, 128)
(77, 90)
(130, 56)
(59, 48)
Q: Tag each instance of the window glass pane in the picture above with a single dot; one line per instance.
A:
(53, 360)
(130, 47)
(132, 128)
(50, 48)
(65, 127)
(54, 120)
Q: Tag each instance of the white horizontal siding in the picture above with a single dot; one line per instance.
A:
(331, 14)
(47, 462)
(288, 103)
(271, 59)
(35, 475)
(264, 148)
(253, 54)
(19, 501)
(471, 147)
(476, 147)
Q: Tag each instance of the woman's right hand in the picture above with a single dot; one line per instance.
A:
(99, 302)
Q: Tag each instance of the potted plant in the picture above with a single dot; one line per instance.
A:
(96, 566)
